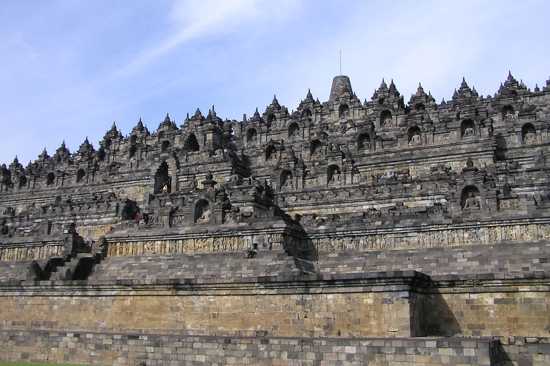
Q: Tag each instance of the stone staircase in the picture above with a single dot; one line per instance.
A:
(76, 268)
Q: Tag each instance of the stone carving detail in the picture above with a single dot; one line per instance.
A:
(202, 212)
(529, 134)
(321, 168)
(470, 198)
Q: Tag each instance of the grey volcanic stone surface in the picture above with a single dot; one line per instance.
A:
(432, 218)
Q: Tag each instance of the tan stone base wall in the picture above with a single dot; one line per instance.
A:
(520, 312)
(279, 309)
(332, 314)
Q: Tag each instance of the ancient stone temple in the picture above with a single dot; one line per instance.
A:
(344, 232)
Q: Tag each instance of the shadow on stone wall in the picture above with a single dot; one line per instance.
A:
(499, 357)
(521, 351)
(435, 316)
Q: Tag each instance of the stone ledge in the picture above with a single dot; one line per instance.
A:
(394, 281)
(410, 277)
(122, 348)
(440, 341)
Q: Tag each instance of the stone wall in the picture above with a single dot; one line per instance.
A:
(503, 260)
(529, 351)
(14, 271)
(487, 308)
(120, 349)
(375, 306)
(62, 314)
(424, 237)
(222, 267)
(372, 304)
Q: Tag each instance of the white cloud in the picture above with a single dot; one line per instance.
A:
(195, 19)
(429, 42)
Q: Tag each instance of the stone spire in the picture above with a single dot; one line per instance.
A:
(385, 94)
(393, 89)
(139, 128)
(15, 166)
(421, 98)
(464, 93)
(86, 147)
(139, 125)
(511, 82)
(44, 155)
(341, 88)
(167, 123)
(275, 103)
(463, 84)
(212, 116)
(511, 87)
(420, 90)
(308, 102)
(309, 96)
(113, 133)
(256, 116)
(198, 115)
(510, 78)
(383, 85)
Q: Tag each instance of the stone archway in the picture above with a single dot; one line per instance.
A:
(467, 128)
(343, 111)
(163, 181)
(202, 212)
(80, 175)
(315, 147)
(363, 141)
(191, 143)
(414, 136)
(293, 130)
(528, 134)
(50, 179)
(385, 119)
(251, 136)
(285, 179)
(470, 198)
(334, 174)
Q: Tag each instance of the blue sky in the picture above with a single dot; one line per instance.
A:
(69, 68)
